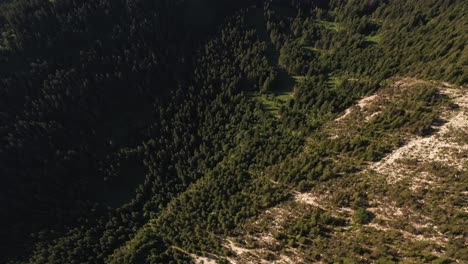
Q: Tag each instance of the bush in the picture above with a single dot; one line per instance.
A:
(362, 216)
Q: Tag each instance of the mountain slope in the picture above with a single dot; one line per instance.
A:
(405, 219)
(285, 133)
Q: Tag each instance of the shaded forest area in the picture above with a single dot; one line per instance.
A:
(131, 129)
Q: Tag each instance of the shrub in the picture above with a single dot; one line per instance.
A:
(362, 216)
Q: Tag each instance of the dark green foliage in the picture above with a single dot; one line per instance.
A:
(130, 131)
(308, 227)
(362, 216)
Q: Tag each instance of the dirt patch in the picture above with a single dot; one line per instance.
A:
(236, 249)
(308, 198)
(203, 260)
(440, 147)
(407, 235)
(360, 106)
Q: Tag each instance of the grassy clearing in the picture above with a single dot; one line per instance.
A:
(375, 39)
(269, 103)
(334, 81)
(330, 25)
(298, 78)
(273, 101)
(284, 96)
(314, 49)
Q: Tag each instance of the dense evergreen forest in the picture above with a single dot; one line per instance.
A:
(144, 131)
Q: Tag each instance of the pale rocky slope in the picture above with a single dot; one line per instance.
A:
(423, 167)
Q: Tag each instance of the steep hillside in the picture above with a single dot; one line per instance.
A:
(410, 206)
(284, 131)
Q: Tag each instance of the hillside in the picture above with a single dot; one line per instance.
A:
(408, 206)
(201, 131)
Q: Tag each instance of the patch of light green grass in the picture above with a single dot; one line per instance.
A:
(272, 102)
(284, 96)
(298, 78)
(330, 25)
(334, 81)
(314, 49)
(374, 39)
(268, 104)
